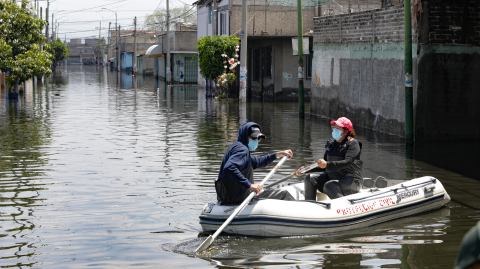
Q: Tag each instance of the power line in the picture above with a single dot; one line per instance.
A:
(93, 7)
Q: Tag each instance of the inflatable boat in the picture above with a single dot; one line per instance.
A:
(275, 218)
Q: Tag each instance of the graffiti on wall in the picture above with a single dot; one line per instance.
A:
(287, 76)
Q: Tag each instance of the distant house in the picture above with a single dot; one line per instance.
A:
(81, 53)
(145, 39)
(183, 63)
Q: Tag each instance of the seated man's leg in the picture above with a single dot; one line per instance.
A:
(332, 189)
(276, 194)
(312, 183)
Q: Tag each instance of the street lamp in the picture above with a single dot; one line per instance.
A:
(116, 30)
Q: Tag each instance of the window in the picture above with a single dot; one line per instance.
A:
(307, 59)
(210, 15)
(267, 62)
(255, 64)
(85, 50)
(223, 23)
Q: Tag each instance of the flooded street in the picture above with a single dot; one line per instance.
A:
(98, 172)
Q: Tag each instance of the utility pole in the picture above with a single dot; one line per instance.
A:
(168, 45)
(101, 46)
(109, 42)
(243, 54)
(118, 50)
(135, 47)
(53, 22)
(301, 104)
(46, 18)
(408, 73)
(117, 62)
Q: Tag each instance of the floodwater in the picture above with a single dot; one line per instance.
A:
(97, 172)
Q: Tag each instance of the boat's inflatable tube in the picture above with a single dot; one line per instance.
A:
(267, 217)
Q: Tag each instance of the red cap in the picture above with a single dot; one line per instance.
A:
(343, 122)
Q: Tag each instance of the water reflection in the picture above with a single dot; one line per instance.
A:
(104, 169)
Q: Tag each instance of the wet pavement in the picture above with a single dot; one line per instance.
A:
(102, 170)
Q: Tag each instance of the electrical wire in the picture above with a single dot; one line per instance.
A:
(94, 7)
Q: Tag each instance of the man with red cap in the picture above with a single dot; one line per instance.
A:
(341, 164)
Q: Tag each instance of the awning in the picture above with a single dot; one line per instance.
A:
(154, 51)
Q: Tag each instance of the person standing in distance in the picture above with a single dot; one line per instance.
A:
(235, 178)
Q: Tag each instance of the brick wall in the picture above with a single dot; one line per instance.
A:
(454, 22)
(373, 26)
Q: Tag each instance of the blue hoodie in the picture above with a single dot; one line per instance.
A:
(238, 158)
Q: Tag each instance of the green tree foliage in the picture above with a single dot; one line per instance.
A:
(59, 51)
(210, 50)
(157, 20)
(20, 36)
(99, 47)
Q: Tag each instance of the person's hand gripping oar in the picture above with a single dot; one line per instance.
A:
(298, 173)
(211, 238)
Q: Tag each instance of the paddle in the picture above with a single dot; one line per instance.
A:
(294, 174)
(211, 238)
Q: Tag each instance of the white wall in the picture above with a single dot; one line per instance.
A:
(204, 28)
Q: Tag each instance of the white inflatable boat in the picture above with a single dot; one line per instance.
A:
(268, 217)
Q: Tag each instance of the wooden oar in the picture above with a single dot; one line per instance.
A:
(211, 238)
(294, 174)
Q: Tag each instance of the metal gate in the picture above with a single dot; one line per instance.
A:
(191, 70)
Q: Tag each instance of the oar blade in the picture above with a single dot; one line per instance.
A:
(205, 244)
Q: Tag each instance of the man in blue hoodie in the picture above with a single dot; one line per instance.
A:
(235, 179)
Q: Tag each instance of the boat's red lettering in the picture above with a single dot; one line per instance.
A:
(386, 202)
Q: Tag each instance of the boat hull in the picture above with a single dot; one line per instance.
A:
(274, 218)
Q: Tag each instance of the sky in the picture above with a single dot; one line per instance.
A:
(82, 18)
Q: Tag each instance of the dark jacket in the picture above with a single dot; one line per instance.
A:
(237, 166)
(343, 159)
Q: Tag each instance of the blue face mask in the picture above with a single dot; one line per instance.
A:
(336, 134)
(252, 145)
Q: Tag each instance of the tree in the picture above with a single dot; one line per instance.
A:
(20, 36)
(210, 50)
(59, 51)
(99, 48)
(157, 20)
